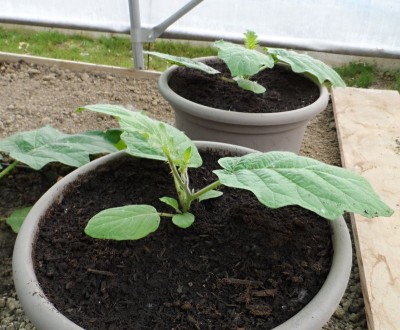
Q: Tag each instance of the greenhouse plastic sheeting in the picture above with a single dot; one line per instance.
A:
(359, 27)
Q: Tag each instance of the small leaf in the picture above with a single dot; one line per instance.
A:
(184, 220)
(301, 63)
(130, 222)
(39, 147)
(242, 62)
(249, 85)
(250, 40)
(150, 138)
(210, 194)
(171, 202)
(16, 218)
(184, 61)
(283, 178)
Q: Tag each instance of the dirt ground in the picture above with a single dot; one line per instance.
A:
(32, 96)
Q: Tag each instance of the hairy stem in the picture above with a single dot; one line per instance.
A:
(181, 187)
(8, 169)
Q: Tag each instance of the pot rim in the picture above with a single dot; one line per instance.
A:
(313, 316)
(240, 118)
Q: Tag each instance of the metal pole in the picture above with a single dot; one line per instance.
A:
(160, 28)
(136, 34)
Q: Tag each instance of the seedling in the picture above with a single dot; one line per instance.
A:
(244, 61)
(276, 178)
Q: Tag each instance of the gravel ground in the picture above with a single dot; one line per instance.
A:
(35, 95)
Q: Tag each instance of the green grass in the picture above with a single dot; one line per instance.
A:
(364, 75)
(358, 74)
(116, 50)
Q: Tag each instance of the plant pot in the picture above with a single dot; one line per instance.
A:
(282, 131)
(44, 315)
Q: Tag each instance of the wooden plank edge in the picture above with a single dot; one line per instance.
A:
(81, 66)
(363, 278)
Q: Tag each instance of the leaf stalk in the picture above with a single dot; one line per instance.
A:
(8, 169)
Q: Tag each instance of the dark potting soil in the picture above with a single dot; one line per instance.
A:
(240, 265)
(286, 90)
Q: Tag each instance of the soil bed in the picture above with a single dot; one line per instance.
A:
(285, 90)
(240, 265)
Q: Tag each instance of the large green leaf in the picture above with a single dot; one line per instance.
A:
(150, 138)
(301, 63)
(39, 147)
(242, 62)
(124, 223)
(184, 61)
(282, 178)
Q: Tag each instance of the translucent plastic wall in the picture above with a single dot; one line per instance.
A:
(359, 27)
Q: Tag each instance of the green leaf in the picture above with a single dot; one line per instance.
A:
(184, 61)
(249, 85)
(283, 178)
(210, 194)
(39, 147)
(184, 220)
(301, 63)
(124, 223)
(171, 202)
(250, 40)
(150, 138)
(16, 218)
(242, 62)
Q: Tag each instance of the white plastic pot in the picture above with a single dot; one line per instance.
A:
(45, 316)
(282, 131)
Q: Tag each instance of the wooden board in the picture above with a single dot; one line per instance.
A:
(74, 65)
(368, 126)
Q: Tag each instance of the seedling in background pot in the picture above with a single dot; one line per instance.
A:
(244, 61)
(277, 179)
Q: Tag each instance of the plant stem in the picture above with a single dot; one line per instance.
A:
(169, 215)
(181, 187)
(8, 169)
(202, 191)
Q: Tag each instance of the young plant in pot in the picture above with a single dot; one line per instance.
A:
(258, 98)
(189, 273)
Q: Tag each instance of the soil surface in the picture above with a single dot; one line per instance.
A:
(35, 95)
(285, 90)
(240, 265)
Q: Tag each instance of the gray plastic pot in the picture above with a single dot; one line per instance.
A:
(282, 131)
(46, 317)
